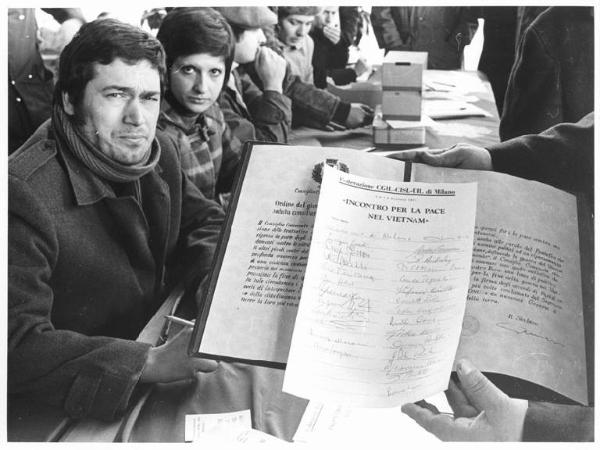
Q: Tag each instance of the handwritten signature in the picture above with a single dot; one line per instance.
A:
(524, 331)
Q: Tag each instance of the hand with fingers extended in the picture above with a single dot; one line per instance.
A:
(463, 156)
(170, 361)
(359, 115)
(482, 412)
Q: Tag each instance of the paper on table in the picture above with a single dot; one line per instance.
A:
(339, 424)
(443, 95)
(449, 109)
(197, 424)
(239, 438)
(384, 291)
(453, 81)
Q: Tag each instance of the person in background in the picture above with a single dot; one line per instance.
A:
(334, 31)
(199, 50)
(310, 106)
(102, 224)
(293, 26)
(552, 80)
(253, 113)
(442, 32)
(499, 47)
(482, 412)
(30, 81)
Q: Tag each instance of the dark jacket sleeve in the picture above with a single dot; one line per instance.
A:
(533, 89)
(87, 376)
(558, 423)
(342, 77)
(271, 111)
(268, 116)
(385, 27)
(562, 156)
(350, 19)
(312, 106)
(329, 60)
(200, 225)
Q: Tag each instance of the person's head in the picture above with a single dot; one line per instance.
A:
(110, 81)
(295, 22)
(247, 23)
(199, 46)
(329, 15)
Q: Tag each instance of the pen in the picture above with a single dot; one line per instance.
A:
(336, 126)
(444, 84)
(180, 321)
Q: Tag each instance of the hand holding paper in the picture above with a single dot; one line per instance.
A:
(482, 411)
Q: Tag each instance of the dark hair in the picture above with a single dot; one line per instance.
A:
(237, 31)
(187, 31)
(102, 41)
(285, 11)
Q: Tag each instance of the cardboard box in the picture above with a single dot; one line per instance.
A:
(407, 135)
(403, 70)
(401, 105)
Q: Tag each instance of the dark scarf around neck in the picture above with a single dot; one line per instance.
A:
(93, 158)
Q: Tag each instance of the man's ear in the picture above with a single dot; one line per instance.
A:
(67, 105)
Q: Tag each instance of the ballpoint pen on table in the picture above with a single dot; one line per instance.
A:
(180, 321)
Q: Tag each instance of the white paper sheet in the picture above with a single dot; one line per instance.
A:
(198, 424)
(239, 439)
(339, 425)
(449, 109)
(384, 291)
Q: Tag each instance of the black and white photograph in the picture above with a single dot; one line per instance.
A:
(299, 225)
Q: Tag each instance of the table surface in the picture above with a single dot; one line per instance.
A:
(480, 131)
(159, 415)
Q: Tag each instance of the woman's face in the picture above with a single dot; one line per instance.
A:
(196, 80)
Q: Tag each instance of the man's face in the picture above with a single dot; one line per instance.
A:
(247, 45)
(294, 28)
(119, 109)
(196, 80)
(328, 16)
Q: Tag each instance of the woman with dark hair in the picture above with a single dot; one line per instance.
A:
(199, 45)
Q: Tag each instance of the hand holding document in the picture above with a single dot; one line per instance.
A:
(381, 308)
